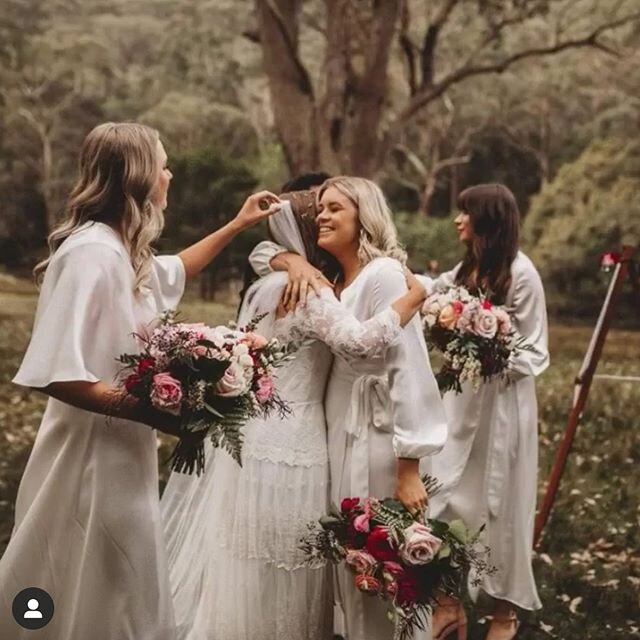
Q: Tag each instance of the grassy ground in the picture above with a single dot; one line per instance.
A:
(588, 566)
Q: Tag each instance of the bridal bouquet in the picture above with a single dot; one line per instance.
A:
(476, 338)
(394, 557)
(213, 379)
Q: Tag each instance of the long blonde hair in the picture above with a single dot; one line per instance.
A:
(118, 170)
(378, 233)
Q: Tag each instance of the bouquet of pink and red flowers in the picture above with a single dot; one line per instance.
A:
(213, 379)
(476, 338)
(393, 556)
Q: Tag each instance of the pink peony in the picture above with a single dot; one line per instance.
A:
(233, 383)
(420, 545)
(264, 390)
(361, 561)
(166, 393)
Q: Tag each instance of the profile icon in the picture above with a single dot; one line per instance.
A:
(33, 608)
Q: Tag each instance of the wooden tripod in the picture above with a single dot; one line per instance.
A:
(625, 265)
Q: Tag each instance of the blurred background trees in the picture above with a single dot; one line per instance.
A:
(425, 96)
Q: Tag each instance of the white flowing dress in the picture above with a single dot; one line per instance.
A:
(236, 568)
(378, 410)
(87, 520)
(489, 465)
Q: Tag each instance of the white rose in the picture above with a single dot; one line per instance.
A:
(485, 324)
(420, 545)
(233, 383)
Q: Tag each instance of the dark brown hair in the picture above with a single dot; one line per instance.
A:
(495, 222)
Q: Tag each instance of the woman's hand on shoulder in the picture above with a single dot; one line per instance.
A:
(303, 278)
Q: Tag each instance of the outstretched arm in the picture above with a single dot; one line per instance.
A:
(196, 257)
(326, 319)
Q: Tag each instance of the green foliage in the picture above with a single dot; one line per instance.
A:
(591, 207)
(428, 239)
(207, 189)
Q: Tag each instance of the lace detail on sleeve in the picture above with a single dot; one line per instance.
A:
(325, 318)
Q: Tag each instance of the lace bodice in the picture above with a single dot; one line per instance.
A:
(323, 325)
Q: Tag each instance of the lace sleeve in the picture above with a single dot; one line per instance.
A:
(325, 318)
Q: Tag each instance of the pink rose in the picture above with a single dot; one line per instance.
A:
(201, 351)
(233, 383)
(166, 393)
(361, 523)
(485, 324)
(393, 568)
(264, 390)
(361, 561)
(504, 321)
(420, 545)
(254, 340)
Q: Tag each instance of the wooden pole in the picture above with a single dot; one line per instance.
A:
(581, 393)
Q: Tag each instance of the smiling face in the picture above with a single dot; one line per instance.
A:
(158, 195)
(338, 223)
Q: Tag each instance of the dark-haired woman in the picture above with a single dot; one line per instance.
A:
(489, 463)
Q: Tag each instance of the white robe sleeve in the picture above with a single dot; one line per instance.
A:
(170, 280)
(78, 318)
(262, 255)
(325, 318)
(419, 421)
(529, 313)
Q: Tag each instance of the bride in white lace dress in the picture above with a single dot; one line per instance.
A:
(236, 569)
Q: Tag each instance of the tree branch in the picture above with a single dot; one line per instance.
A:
(591, 40)
(430, 40)
(408, 47)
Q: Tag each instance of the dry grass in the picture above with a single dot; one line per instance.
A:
(588, 566)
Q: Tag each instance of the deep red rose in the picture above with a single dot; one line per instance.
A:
(349, 504)
(378, 545)
(131, 382)
(486, 304)
(407, 588)
(145, 365)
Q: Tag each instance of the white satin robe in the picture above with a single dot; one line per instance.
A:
(378, 410)
(490, 461)
(87, 519)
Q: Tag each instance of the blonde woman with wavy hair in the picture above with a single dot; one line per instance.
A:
(87, 519)
(384, 414)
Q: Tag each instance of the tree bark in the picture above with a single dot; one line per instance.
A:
(289, 83)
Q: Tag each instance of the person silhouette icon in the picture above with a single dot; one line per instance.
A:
(33, 612)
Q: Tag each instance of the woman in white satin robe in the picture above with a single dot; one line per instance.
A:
(384, 415)
(87, 520)
(489, 464)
